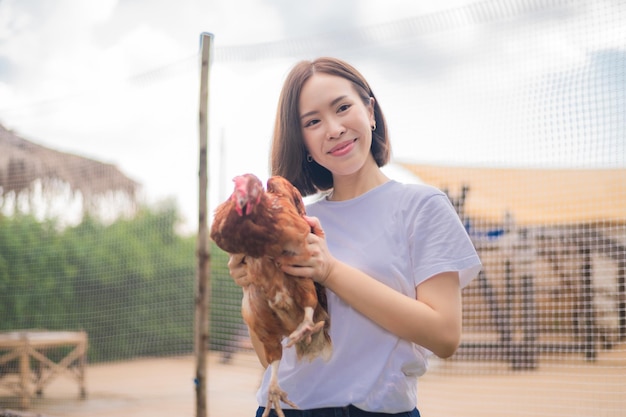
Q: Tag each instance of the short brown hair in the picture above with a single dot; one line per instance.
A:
(289, 155)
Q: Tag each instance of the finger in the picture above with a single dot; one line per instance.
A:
(235, 259)
(297, 271)
(316, 226)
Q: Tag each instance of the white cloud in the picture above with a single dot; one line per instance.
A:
(71, 80)
(11, 19)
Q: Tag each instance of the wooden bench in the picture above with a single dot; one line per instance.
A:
(19, 349)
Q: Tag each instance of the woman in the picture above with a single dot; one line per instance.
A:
(393, 257)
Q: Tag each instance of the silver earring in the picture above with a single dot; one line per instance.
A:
(374, 127)
(309, 158)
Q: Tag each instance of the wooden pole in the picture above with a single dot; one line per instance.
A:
(203, 273)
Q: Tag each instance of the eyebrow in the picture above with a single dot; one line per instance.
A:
(332, 103)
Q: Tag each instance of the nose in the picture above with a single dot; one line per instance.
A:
(335, 129)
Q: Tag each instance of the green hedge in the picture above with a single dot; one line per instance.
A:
(130, 284)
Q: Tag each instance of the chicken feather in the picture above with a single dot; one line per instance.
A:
(268, 227)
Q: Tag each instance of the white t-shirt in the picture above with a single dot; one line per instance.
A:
(401, 235)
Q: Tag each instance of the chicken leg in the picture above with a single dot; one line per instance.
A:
(306, 328)
(275, 394)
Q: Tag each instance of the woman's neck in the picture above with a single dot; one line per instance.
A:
(352, 186)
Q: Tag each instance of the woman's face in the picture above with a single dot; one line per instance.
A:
(336, 125)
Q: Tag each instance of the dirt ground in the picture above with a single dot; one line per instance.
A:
(159, 387)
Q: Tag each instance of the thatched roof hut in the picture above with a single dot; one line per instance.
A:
(25, 165)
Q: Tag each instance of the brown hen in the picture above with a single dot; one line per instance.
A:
(269, 229)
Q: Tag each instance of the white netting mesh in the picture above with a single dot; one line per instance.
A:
(521, 102)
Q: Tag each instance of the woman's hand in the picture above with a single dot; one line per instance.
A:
(319, 266)
(238, 269)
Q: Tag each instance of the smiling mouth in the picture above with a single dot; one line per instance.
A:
(341, 146)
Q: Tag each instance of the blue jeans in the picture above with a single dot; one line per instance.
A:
(349, 411)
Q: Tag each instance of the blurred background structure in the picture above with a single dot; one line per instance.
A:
(517, 109)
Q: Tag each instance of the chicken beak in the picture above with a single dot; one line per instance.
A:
(240, 202)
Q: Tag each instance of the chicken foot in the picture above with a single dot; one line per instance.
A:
(306, 328)
(275, 394)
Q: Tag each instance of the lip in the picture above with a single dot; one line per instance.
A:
(342, 148)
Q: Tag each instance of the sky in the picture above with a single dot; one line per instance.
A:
(118, 80)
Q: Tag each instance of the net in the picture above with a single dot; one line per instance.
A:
(517, 109)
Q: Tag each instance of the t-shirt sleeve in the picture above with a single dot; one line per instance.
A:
(439, 242)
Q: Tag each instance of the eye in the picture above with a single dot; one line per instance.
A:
(343, 108)
(311, 122)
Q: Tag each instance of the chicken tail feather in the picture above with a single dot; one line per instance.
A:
(319, 345)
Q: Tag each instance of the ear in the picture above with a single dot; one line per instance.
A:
(370, 110)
